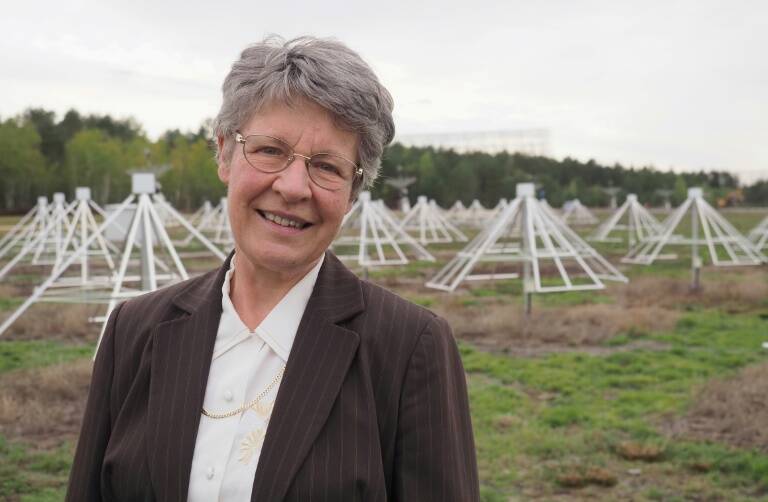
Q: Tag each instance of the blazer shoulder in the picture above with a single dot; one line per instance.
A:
(395, 318)
(374, 293)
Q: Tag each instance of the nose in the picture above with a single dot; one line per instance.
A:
(292, 183)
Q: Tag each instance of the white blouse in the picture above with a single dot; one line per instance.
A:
(245, 363)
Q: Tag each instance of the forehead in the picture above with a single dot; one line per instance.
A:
(303, 124)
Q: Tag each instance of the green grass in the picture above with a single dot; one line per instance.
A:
(511, 290)
(29, 354)
(9, 303)
(29, 475)
(554, 409)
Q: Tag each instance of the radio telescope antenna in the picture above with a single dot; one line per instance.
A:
(631, 217)
(375, 236)
(576, 213)
(725, 245)
(526, 233)
(759, 235)
(426, 219)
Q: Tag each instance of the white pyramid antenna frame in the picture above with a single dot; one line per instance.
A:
(759, 235)
(366, 226)
(576, 213)
(30, 225)
(383, 207)
(48, 239)
(201, 213)
(476, 215)
(145, 223)
(639, 225)
(215, 224)
(457, 213)
(426, 219)
(78, 288)
(541, 238)
(503, 202)
(49, 248)
(83, 224)
(165, 217)
(223, 233)
(457, 209)
(718, 235)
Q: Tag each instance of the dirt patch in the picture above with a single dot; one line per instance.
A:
(504, 327)
(732, 411)
(579, 476)
(733, 295)
(7, 291)
(48, 321)
(44, 406)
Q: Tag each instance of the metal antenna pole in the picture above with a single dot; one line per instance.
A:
(695, 258)
(527, 219)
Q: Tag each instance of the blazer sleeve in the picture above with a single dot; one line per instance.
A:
(85, 476)
(435, 452)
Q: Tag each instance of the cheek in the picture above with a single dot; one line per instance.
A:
(248, 183)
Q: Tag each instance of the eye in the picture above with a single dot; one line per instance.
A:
(265, 147)
(325, 167)
(272, 151)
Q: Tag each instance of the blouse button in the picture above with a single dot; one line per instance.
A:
(210, 472)
(228, 395)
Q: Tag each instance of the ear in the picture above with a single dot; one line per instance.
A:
(223, 168)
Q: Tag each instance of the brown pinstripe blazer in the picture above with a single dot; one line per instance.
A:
(372, 406)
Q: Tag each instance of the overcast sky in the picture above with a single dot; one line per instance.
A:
(673, 84)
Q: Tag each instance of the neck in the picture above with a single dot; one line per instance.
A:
(255, 291)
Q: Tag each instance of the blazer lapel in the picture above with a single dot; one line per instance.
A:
(181, 358)
(319, 360)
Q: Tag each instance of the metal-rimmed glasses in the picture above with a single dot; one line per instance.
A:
(272, 155)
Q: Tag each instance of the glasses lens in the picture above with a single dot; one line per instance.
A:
(330, 171)
(266, 153)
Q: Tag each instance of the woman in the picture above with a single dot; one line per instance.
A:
(282, 376)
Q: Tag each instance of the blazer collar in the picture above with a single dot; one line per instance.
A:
(181, 357)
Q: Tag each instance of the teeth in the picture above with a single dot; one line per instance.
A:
(285, 222)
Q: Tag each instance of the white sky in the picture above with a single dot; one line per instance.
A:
(673, 84)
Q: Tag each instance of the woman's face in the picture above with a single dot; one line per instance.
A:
(256, 198)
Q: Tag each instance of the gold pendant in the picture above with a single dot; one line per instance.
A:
(251, 444)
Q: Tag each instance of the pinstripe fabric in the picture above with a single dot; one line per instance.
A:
(372, 406)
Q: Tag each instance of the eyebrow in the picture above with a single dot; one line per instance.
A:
(282, 138)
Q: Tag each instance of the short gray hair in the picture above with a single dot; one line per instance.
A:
(324, 71)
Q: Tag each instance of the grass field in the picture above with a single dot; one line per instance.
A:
(643, 391)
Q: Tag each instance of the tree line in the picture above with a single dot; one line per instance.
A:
(40, 155)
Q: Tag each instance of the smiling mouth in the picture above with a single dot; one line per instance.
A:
(282, 221)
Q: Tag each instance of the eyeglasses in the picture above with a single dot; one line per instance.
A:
(271, 155)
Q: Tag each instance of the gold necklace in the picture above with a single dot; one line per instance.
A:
(245, 406)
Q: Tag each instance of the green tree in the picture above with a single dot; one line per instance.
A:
(23, 173)
(192, 178)
(680, 190)
(97, 161)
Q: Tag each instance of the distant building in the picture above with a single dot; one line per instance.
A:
(527, 141)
